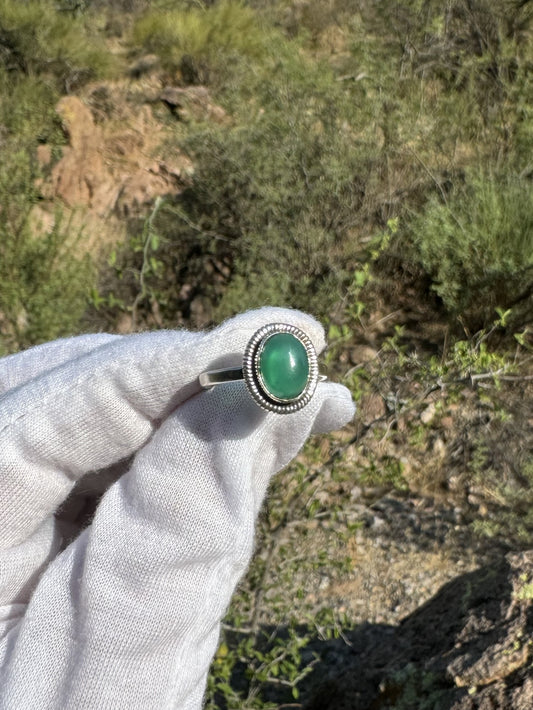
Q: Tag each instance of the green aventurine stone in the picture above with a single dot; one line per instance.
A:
(284, 366)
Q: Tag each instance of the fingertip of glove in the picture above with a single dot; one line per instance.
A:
(336, 408)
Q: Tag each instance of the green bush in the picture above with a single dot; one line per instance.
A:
(27, 112)
(203, 34)
(277, 193)
(43, 286)
(477, 245)
(478, 54)
(274, 200)
(37, 39)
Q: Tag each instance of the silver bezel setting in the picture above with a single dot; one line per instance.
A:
(253, 379)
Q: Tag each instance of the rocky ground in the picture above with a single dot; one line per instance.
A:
(441, 620)
(468, 647)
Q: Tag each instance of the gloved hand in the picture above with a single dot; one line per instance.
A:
(127, 615)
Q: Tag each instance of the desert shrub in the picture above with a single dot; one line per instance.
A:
(201, 34)
(478, 51)
(80, 6)
(477, 245)
(273, 202)
(27, 112)
(36, 38)
(278, 192)
(448, 87)
(44, 286)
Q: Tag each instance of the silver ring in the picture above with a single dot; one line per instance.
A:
(279, 368)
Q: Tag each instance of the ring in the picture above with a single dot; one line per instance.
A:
(279, 368)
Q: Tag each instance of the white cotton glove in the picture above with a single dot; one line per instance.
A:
(127, 616)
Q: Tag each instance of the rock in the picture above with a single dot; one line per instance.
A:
(372, 407)
(428, 415)
(192, 104)
(124, 324)
(112, 166)
(468, 648)
(44, 155)
(108, 167)
(81, 177)
(439, 449)
(139, 190)
(361, 354)
(144, 65)
(377, 522)
(355, 493)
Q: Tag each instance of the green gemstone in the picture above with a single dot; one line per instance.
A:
(284, 366)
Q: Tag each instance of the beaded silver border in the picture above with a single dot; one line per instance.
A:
(252, 377)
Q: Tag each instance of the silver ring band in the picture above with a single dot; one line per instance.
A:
(279, 368)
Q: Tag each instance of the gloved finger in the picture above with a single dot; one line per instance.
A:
(228, 414)
(17, 369)
(20, 569)
(336, 408)
(137, 598)
(100, 408)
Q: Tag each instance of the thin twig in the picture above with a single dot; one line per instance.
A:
(147, 235)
